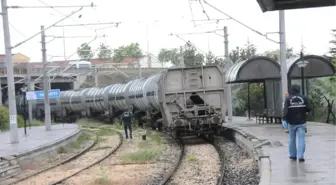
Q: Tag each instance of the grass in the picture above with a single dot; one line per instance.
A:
(148, 151)
(139, 157)
(118, 126)
(61, 150)
(33, 123)
(191, 158)
(81, 139)
(103, 179)
(89, 123)
(106, 132)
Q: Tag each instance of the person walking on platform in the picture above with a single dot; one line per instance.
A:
(127, 120)
(295, 111)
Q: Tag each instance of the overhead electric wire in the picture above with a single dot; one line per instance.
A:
(191, 11)
(18, 31)
(204, 9)
(191, 44)
(46, 4)
(239, 22)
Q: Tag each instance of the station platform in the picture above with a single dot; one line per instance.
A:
(320, 156)
(37, 139)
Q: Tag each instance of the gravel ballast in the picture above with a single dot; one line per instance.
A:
(239, 167)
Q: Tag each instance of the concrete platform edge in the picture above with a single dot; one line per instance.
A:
(50, 147)
(248, 143)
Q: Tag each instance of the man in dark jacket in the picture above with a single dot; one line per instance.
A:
(295, 111)
(127, 120)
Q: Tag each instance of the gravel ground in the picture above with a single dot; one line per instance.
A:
(240, 169)
(200, 165)
(118, 171)
(40, 163)
(106, 144)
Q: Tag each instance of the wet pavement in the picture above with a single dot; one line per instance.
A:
(37, 137)
(320, 165)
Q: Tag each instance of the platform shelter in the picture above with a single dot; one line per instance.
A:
(315, 67)
(259, 69)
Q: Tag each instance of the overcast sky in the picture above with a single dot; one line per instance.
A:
(312, 27)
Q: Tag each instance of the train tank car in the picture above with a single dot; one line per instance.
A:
(192, 100)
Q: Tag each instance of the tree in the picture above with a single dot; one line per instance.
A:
(332, 53)
(332, 50)
(191, 56)
(132, 50)
(239, 54)
(210, 58)
(169, 55)
(4, 119)
(84, 52)
(105, 53)
(275, 54)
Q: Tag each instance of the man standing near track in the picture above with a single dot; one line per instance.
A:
(127, 120)
(295, 112)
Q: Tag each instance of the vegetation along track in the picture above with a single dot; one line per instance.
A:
(93, 156)
(200, 162)
(19, 178)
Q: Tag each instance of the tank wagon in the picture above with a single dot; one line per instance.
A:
(183, 101)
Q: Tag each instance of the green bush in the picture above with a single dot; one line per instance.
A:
(4, 119)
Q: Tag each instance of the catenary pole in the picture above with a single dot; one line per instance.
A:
(282, 33)
(228, 93)
(47, 118)
(14, 137)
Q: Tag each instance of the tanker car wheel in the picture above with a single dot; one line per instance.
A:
(175, 133)
(211, 137)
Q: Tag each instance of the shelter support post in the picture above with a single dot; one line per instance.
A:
(248, 101)
(283, 61)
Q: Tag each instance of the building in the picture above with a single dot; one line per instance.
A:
(17, 58)
(151, 61)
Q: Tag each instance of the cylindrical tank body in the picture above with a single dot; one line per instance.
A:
(98, 100)
(65, 100)
(106, 97)
(90, 97)
(136, 94)
(119, 93)
(150, 90)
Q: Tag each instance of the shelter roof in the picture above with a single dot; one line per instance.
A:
(318, 66)
(252, 70)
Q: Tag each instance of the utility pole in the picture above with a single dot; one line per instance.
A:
(283, 63)
(139, 69)
(14, 137)
(47, 118)
(182, 57)
(30, 85)
(96, 77)
(228, 93)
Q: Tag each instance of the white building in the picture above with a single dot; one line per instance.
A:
(152, 61)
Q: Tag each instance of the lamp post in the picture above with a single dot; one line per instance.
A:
(302, 64)
(24, 90)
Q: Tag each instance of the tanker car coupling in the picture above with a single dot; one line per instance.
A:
(182, 101)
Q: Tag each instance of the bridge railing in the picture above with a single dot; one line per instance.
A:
(64, 70)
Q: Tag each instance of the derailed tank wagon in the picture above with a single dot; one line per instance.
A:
(183, 101)
(192, 100)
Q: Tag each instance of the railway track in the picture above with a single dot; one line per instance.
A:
(71, 158)
(178, 174)
(62, 172)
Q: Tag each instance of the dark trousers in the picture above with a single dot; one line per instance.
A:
(128, 126)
